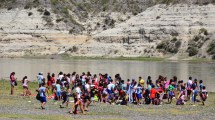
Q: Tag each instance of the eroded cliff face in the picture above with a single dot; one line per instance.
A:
(177, 23)
(175, 31)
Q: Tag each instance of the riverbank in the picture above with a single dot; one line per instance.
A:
(67, 57)
(19, 107)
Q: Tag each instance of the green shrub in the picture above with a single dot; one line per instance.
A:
(47, 13)
(174, 40)
(192, 51)
(196, 38)
(171, 46)
(40, 10)
(73, 49)
(211, 48)
(28, 5)
(178, 44)
(9, 8)
(204, 31)
(71, 31)
(59, 20)
(30, 13)
(158, 17)
(213, 57)
(162, 45)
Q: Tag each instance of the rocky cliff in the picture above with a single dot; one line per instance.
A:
(177, 29)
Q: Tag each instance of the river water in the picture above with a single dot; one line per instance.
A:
(127, 69)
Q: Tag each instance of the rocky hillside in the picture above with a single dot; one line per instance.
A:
(177, 29)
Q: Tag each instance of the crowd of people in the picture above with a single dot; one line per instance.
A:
(86, 88)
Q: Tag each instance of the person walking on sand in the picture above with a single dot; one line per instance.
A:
(13, 82)
(42, 91)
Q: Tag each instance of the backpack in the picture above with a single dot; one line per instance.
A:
(203, 96)
(156, 101)
(147, 100)
(38, 96)
(15, 83)
(179, 102)
(193, 86)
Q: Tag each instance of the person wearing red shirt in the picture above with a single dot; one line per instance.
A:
(153, 93)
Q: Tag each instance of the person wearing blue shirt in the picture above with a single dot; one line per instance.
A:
(42, 91)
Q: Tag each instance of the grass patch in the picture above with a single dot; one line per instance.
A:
(104, 111)
(67, 57)
(35, 117)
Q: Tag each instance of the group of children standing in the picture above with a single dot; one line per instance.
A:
(86, 88)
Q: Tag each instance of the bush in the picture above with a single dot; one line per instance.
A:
(213, 57)
(171, 46)
(28, 6)
(192, 51)
(73, 49)
(71, 31)
(204, 31)
(47, 13)
(30, 13)
(211, 48)
(40, 10)
(174, 40)
(196, 38)
(178, 44)
(158, 17)
(162, 45)
(59, 20)
(9, 8)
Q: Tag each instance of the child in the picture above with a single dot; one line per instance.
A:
(139, 94)
(77, 100)
(65, 96)
(181, 97)
(195, 93)
(203, 95)
(26, 91)
(58, 90)
(170, 91)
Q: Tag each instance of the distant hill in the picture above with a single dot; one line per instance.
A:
(176, 29)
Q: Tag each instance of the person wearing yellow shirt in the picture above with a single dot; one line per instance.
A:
(141, 81)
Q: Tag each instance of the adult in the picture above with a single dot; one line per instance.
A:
(12, 82)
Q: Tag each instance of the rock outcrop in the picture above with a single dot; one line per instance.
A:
(164, 30)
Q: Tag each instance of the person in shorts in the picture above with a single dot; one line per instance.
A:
(42, 91)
